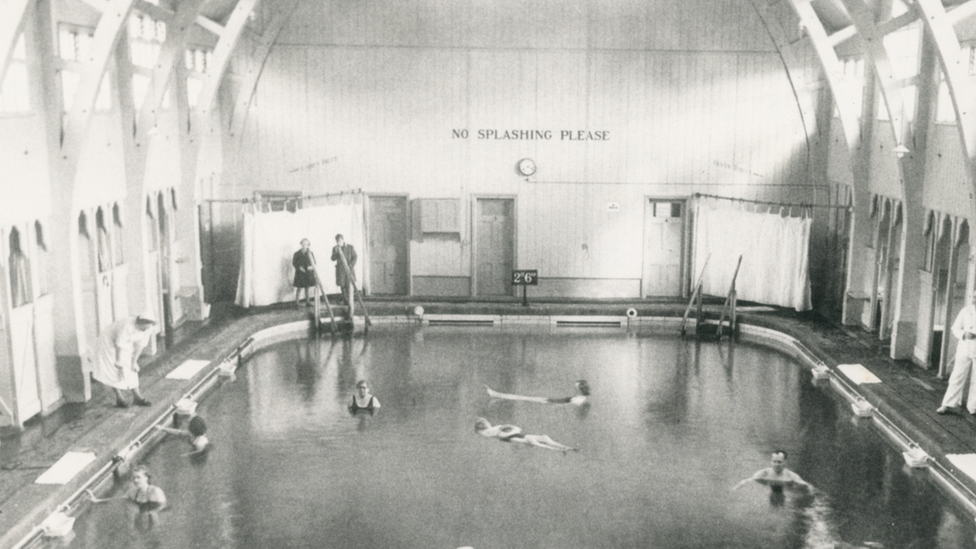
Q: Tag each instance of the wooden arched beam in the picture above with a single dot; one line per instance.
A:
(843, 92)
(910, 169)
(221, 57)
(787, 56)
(165, 67)
(846, 95)
(13, 14)
(192, 141)
(878, 59)
(107, 33)
(170, 54)
(962, 91)
(242, 105)
(69, 332)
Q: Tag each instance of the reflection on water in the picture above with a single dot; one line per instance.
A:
(671, 426)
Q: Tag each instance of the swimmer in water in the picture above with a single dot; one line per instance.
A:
(512, 433)
(582, 391)
(145, 496)
(363, 400)
(195, 432)
(778, 476)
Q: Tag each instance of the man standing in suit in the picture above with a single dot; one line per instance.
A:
(345, 257)
(964, 329)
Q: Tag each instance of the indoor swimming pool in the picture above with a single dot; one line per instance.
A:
(671, 426)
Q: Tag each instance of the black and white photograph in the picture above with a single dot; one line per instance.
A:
(487, 274)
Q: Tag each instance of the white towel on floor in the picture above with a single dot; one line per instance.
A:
(188, 369)
(964, 462)
(858, 374)
(66, 468)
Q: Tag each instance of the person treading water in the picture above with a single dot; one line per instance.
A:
(195, 433)
(778, 476)
(513, 433)
(582, 392)
(363, 400)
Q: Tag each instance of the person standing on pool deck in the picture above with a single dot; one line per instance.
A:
(777, 476)
(116, 356)
(964, 329)
(345, 280)
(304, 263)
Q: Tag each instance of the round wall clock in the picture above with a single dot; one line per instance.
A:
(526, 166)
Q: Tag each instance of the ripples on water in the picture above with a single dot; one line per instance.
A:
(671, 427)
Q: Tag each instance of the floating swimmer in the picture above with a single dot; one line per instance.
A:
(582, 392)
(513, 433)
(778, 476)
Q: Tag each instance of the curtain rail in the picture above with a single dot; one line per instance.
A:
(771, 203)
(278, 198)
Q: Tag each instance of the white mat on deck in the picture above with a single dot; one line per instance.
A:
(858, 374)
(188, 369)
(66, 468)
(964, 462)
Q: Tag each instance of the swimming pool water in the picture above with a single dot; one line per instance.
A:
(671, 427)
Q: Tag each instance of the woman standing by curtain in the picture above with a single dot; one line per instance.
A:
(304, 263)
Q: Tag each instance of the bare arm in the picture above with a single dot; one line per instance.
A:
(742, 483)
(797, 481)
(173, 431)
(93, 499)
(506, 396)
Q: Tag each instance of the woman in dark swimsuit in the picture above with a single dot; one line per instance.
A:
(363, 400)
(145, 496)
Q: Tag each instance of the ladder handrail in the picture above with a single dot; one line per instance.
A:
(355, 288)
(729, 299)
(319, 288)
(696, 292)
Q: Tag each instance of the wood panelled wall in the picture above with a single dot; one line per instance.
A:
(369, 95)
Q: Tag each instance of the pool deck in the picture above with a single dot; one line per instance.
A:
(907, 394)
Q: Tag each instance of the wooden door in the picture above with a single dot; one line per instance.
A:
(388, 245)
(165, 271)
(494, 245)
(26, 396)
(88, 282)
(153, 274)
(955, 292)
(104, 293)
(47, 374)
(663, 239)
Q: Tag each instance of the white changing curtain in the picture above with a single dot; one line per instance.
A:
(270, 239)
(775, 255)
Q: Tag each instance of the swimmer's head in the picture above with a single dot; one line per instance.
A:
(362, 386)
(779, 460)
(583, 387)
(481, 424)
(140, 476)
(200, 443)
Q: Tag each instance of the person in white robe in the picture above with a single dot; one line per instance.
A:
(116, 356)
